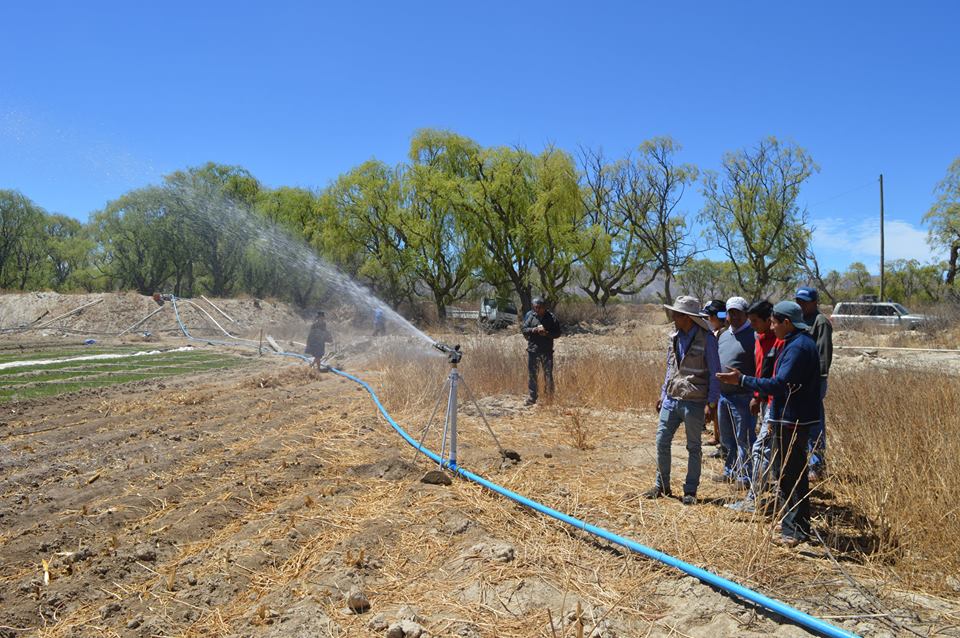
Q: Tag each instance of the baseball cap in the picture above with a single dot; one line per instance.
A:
(716, 308)
(737, 303)
(791, 310)
(806, 293)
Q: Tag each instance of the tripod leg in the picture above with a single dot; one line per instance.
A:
(426, 429)
(482, 415)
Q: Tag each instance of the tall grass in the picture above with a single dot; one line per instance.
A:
(894, 442)
(891, 498)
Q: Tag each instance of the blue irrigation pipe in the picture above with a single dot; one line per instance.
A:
(790, 613)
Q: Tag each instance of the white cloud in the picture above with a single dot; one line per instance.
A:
(844, 241)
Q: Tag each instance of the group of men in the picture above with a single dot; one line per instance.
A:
(740, 366)
(735, 364)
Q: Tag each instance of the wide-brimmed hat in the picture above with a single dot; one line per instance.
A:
(687, 305)
(791, 310)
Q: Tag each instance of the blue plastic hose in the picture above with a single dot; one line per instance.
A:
(790, 613)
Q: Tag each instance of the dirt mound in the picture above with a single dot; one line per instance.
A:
(111, 313)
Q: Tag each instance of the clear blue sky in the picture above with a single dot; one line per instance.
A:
(97, 98)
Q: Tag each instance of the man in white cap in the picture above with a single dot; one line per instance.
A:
(737, 424)
(689, 394)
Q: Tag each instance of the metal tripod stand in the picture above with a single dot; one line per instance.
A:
(453, 382)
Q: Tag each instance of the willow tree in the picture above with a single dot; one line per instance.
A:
(944, 219)
(751, 213)
(436, 186)
(363, 232)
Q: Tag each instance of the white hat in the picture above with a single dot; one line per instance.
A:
(737, 303)
(687, 305)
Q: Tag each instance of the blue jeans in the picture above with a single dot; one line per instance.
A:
(690, 413)
(737, 433)
(766, 459)
(817, 446)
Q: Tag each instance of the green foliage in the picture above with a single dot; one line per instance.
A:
(751, 213)
(944, 219)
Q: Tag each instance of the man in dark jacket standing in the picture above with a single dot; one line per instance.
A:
(795, 408)
(540, 327)
(821, 330)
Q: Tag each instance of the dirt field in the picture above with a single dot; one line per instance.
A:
(269, 500)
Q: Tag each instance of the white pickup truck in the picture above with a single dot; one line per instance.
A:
(880, 314)
(493, 314)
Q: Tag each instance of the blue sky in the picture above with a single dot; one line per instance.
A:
(97, 98)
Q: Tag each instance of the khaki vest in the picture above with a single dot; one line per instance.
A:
(688, 380)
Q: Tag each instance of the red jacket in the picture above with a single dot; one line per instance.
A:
(766, 341)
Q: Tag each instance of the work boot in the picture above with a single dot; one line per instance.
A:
(656, 492)
(689, 499)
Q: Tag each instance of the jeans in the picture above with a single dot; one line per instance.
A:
(794, 484)
(766, 458)
(690, 413)
(737, 434)
(536, 360)
(817, 446)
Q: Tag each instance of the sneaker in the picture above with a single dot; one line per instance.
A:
(716, 454)
(530, 401)
(656, 492)
(689, 499)
(814, 476)
(746, 506)
(721, 478)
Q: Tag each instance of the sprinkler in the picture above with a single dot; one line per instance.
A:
(453, 382)
(454, 354)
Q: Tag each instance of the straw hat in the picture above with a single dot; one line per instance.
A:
(690, 306)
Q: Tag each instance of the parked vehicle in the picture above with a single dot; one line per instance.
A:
(492, 315)
(880, 314)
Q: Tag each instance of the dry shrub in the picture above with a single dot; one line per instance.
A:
(894, 444)
(613, 378)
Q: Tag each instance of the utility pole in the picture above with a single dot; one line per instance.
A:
(882, 297)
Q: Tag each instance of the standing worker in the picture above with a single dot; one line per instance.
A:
(689, 395)
(379, 323)
(540, 327)
(317, 340)
(821, 330)
(737, 423)
(766, 465)
(716, 314)
(795, 388)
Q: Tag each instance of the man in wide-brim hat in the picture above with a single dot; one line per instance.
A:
(689, 395)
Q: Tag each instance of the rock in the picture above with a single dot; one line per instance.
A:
(408, 612)
(512, 455)
(405, 629)
(378, 623)
(502, 552)
(357, 601)
(436, 477)
(145, 553)
(135, 622)
(108, 610)
(191, 579)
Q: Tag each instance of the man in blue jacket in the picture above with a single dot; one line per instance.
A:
(795, 388)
